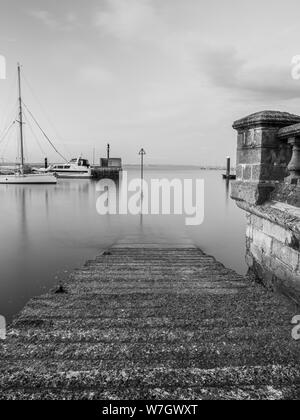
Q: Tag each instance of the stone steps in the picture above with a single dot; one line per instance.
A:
(152, 323)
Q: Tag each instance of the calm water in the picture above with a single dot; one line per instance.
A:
(46, 231)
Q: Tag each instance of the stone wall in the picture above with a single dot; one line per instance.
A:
(273, 252)
(270, 195)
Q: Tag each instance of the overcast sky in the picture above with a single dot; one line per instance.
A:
(167, 75)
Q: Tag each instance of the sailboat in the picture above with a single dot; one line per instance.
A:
(20, 177)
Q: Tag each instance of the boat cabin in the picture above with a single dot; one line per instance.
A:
(80, 162)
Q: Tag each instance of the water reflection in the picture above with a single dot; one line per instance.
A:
(227, 189)
(24, 237)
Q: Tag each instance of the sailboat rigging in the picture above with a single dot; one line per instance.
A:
(19, 177)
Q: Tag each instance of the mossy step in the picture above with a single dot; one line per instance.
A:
(147, 323)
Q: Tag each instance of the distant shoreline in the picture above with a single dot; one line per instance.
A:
(167, 167)
(147, 167)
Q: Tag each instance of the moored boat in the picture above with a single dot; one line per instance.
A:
(32, 179)
(20, 177)
(75, 169)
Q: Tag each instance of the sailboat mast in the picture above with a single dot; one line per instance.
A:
(21, 120)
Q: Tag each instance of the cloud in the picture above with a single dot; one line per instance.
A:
(226, 69)
(44, 17)
(128, 19)
(95, 75)
(48, 19)
(222, 66)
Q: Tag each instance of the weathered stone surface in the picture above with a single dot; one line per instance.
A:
(250, 193)
(267, 118)
(145, 323)
(267, 188)
(290, 131)
(249, 156)
(262, 157)
(273, 245)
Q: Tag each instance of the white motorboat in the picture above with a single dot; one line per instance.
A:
(20, 177)
(75, 169)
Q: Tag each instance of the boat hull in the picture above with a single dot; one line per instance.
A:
(73, 176)
(28, 179)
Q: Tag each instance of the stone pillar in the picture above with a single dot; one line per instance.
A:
(268, 189)
(294, 166)
(262, 159)
(291, 136)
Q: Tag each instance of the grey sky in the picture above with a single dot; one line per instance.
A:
(168, 75)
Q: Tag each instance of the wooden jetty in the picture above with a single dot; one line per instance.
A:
(99, 172)
(109, 168)
(153, 321)
(229, 177)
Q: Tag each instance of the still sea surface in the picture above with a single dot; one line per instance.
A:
(47, 231)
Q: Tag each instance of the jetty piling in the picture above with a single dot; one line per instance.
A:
(228, 174)
(228, 167)
(109, 167)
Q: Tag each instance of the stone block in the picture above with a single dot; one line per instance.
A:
(286, 255)
(247, 172)
(249, 156)
(257, 222)
(287, 193)
(269, 137)
(276, 276)
(252, 193)
(262, 241)
(239, 172)
(256, 172)
(258, 137)
(249, 232)
(255, 252)
(280, 154)
(284, 236)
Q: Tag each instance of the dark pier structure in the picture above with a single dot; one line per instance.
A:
(229, 175)
(109, 167)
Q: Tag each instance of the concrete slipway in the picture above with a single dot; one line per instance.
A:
(153, 321)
